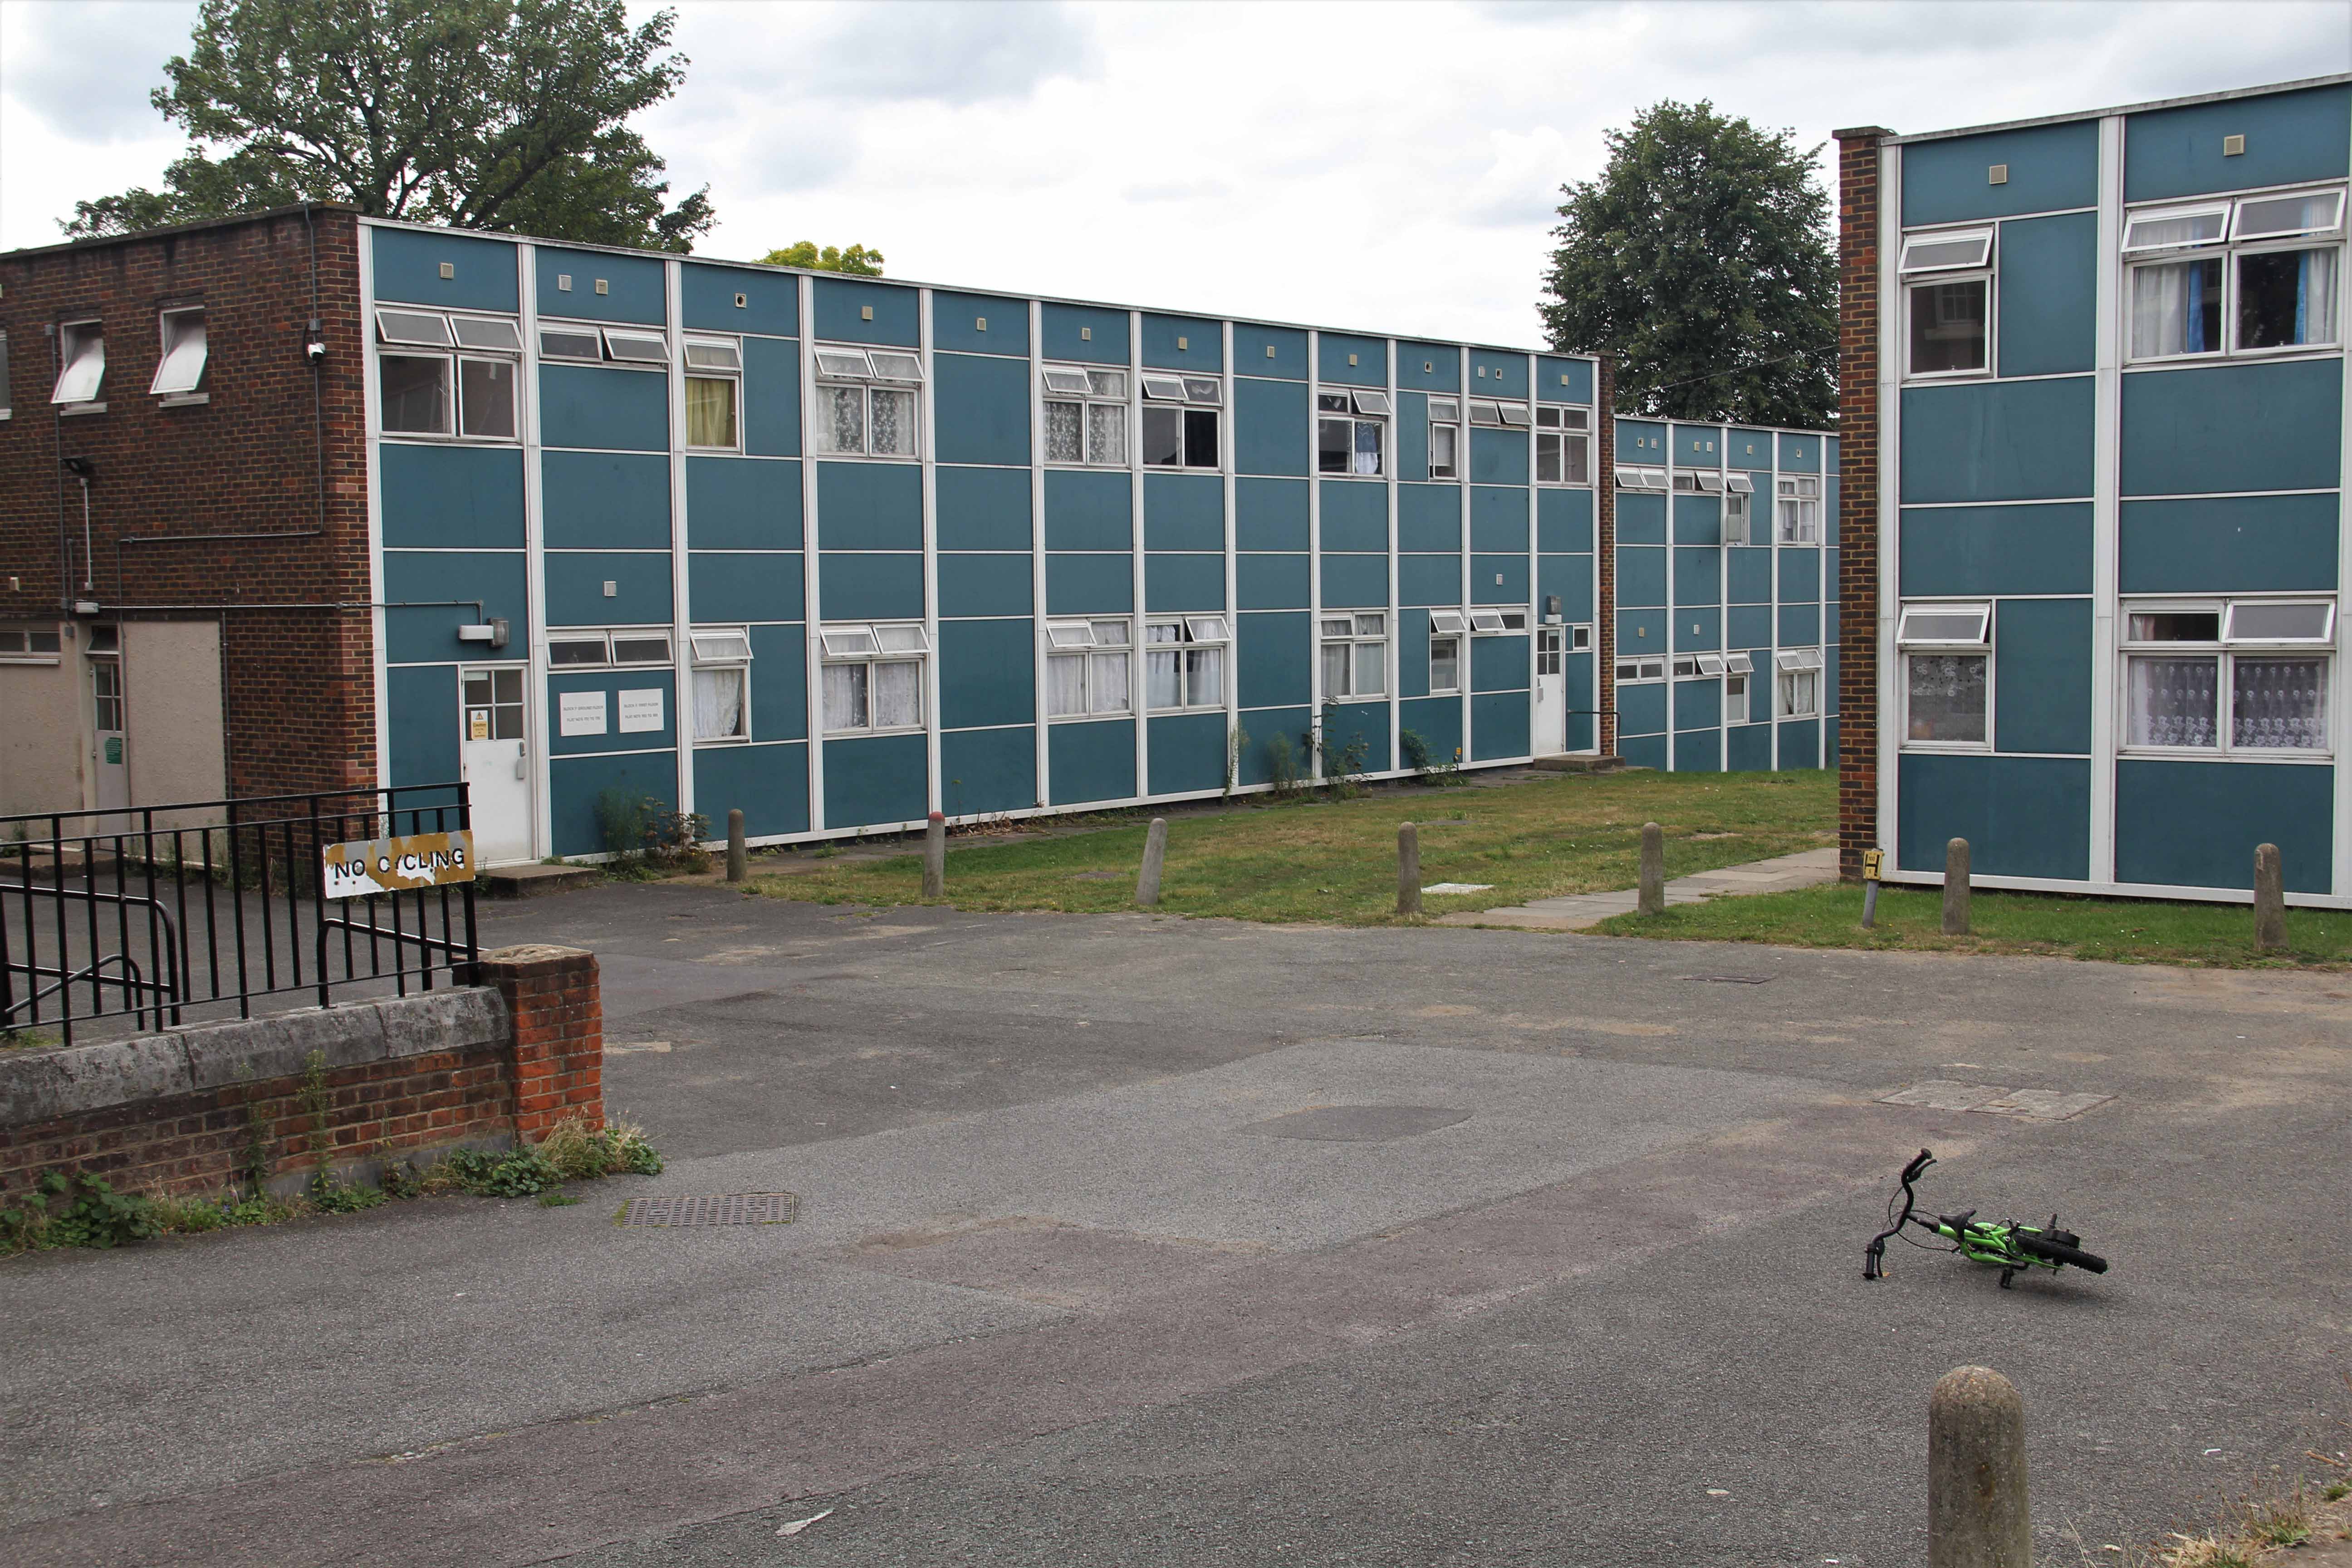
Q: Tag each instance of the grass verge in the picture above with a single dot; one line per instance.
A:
(1322, 859)
(1910, 920)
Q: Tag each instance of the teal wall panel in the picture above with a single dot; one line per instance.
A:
(1699, 520)
(1698, 705)
(870, 585)
(575, 783)
(429, 632)
(1290, 727)
(1172, 582)
(981, 509)
(2051, 168)
(1089, 585)
(1564, 520)
(1411, 456)
(1698, 575)
(2042, 675)
(1188, 752)
(1273, 655)
(1428, 367)
(1641, 518)
(1987, 441)
(980, 324)
(980, 409)
(2195, 824)
(1500, 580)
(2049, 294)
(1697, 628)
(2023, 817)
(455, 497)
(575, 588)
(421, 722)
(1347, 725)
(1429, 580)
(985, 585)
(1498, 457)
(1997, 550)
(1272, 582)
(632, 286)
(1801, 625)
(772, 300)
(1371, 355)
(1094, 760)
(1270, 514)
(1647, 751)
(1184, 342)
(2230, 544)
(611, 682)
(1561, 380)
(1745, 447)
(1356, 582)
(1696, 446)
(408, 269)
(1580, 670)
(1437, 721)
(1287, 360)
(1428, 516)
(1570, 577)
(1642, 711)
(1749, 576)
(1698, 751)
(869, 506)
(875, 779)
(602, 501)
(1498, 726)
(839, 311)
(1499, 664)
(1799, 454)
(780, 682)
(1087, 511)
(735, 503)
(1086, 333)
(1355, 515)
(772, 397)
(2290, 137)
(1497, 373)
(1183, 511)
(769, 784)
(1641, 576)
(1641, 632)
(2233, 428)
(1800, 574)
(1412, 653)
(742, 585)
(987, 673)
(582, 406)
(1641, 441)
(1498, 518)
(1801, 741)
(988, 770)
(1747, 748)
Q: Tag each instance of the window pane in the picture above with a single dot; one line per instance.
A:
(2176, 307)
(640, 649)
(2286, 297)
(897, 695)
(1107, 382)
(1338, 626)
(845, 696)
(184, 358)
(1923, 624)
(1163, 437)
(1441, 451)
(584, 651)
(894, 424)
(1371, 669)
(1204, 677)
(1334, 670)
(1945, 250)
(1333, 438)
(1199, 437)
(1066, 684)
(1107, 433)
(1371, 625)
(908, 638)
(416, 394)
(1546, 457)
(1163, 631)
(1579, 466)
(2255, 621)
(1108, 677)
(1947, 327)
(1947, 696)
(840, 422)
(892, 365)
(486, 399)
(2288, 214)
(2177, 626)
(1159, 678)
(717, 704)
(565, 343)
(1069, 381)
(1066, 433)
(1368, 446)
(1110, 633)
(1202, 389)
(412, 327)
(2171, 701)
(2279, 703)
(2154, 232)
(1444, 665)
(710, 411)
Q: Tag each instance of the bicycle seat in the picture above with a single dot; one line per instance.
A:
(1956, 1221)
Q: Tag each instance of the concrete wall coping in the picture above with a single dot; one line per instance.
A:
(42, 1086)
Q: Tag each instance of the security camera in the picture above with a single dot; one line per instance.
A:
(315, 349)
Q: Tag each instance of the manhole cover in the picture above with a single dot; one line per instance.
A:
(1730, 979)
(728, 1208)
(1994, 1099)
(1359, 1123)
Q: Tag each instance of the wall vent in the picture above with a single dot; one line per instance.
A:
(2234, 146)
(1997, 174)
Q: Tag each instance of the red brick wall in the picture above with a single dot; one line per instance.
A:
(552, 994)
(299, 683)
(1858, 520)
(1604, 541)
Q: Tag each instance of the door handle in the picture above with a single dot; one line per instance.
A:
(522, 766)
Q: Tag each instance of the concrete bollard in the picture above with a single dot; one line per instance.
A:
(2270, 899)
(935, 857)
(1955, 887)
(1155, 856)
(1651, 899)
(739, 859)
(1976, 1473)
(1408, 869)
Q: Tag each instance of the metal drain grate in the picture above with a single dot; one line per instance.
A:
(727, 1208)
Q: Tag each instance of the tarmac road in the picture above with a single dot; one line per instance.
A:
(1131, 1240)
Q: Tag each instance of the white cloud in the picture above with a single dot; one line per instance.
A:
(87, 68)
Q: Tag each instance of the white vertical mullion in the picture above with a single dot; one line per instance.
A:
(681, 613)
(371, 412)
(1037, 312)
(811, 601)
(1394, 656)
(1136, 475)
(1534, 585)
(1773, 487)
(1229, 456)
(2339, 735)
(538, 725)
(1593, 437)
(1463, 464)
(927, 447)
(1314, 768)
(1673, 608)
(1890, 465)
(2106, 513)
(1723, 592)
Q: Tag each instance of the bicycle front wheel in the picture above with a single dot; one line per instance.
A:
(2035, 1247)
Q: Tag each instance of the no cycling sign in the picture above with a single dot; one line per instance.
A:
(396, 865)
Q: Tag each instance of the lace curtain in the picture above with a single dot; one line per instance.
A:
(717, 704)
(1107, 433)
(2278, 703)
(1162, 683)
(2173, 701)
(844, 696)
(840, 424)
(1066, 684)
(894, 424)
(1947, 696)
(1066, 433)
(1109, 676)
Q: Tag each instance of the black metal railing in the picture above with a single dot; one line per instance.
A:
(167, 914)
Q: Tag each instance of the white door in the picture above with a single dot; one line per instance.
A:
(111, 772)
(496, 753)
(1551, 693)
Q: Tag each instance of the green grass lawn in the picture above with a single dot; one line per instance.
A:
(1911, 920)
(1336, 859)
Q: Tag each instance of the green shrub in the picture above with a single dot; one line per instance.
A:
(78, 1210)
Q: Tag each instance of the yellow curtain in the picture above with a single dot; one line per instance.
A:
(710, 411)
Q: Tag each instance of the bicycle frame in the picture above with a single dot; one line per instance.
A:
(1979, 1241)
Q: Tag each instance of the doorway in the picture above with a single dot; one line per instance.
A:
(110, 770)
(494, 752)
(1551, 693)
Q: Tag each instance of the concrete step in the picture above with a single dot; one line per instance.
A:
(1578, 763)
(532, 881)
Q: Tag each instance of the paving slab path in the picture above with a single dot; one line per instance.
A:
(1582, 911)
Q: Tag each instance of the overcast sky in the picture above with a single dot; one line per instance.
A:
(1384, 166)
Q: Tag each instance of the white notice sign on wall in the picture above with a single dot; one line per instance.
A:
(641, 709)
(580, 712)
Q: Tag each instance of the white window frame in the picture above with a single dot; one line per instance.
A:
(1454, 640)
(719, 649)
(1359, 408)
(2224, 649)
(1914, 637)
(636, 348)
(1579, 636)
(1910, 630)
(607, 640)
(1486, 623)
(729, 370)
(1647, 669)
(1912, 284)
(1087, 397)
(1188, 395)
(1098, 640)
(1560, 434)
(1194, 634)
(1368, 646)
(1802, 526)
(1791, 662)
(1636, 477)
(856, 367)
(594, 341)
(1739, 508)
(1446, 413)
(81, 364)
(16, 644)
(2229, 248)
(841, 644)
(179, 368)
(416, 340)
(1739, 689)
(1914, 264)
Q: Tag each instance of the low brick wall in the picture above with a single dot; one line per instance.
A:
(409, 1076)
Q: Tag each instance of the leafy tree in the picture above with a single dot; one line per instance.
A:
(494, 114)
(857, 261)
(1701, 260)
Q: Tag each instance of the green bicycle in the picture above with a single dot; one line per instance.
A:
(2007, 1245)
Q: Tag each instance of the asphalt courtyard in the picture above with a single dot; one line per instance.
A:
(1136, 1240)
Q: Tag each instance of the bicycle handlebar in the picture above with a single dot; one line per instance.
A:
(1873, 1265)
